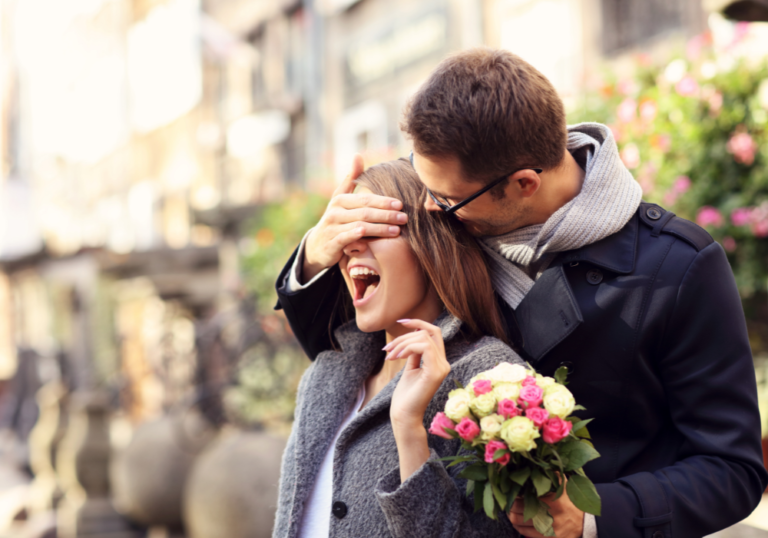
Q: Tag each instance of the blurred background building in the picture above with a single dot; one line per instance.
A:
(144, 147)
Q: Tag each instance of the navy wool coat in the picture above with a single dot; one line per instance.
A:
(650, 323)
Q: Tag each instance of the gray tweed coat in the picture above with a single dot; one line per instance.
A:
(366, 476)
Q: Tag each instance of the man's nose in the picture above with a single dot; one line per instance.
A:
(430, 204)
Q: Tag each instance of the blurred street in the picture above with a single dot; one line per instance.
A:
(161, 159)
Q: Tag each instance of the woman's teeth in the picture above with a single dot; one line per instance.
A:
(365, 280)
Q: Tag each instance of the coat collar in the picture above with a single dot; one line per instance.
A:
(550, 312)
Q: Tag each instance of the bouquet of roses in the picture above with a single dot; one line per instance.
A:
(523, 442)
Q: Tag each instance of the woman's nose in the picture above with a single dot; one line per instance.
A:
(356, 247)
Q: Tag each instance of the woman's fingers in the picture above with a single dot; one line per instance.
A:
(418, 324)
(395, 348)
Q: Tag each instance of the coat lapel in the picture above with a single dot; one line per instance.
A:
(550, 312)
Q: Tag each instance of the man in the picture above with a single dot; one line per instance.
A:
(640, 305)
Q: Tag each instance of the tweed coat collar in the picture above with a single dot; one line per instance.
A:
(329, 391)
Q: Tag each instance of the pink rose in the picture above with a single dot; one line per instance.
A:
(508, 409)
(482, 386)
(555, 429)
(729, 243)
(537, 415)
(530, 396)
(681, 184)
(741, 216)
(441, 423)
(490, 450)
(760, 228)
(648, 110)
(709, 216)
(529, 380)
(468, 429)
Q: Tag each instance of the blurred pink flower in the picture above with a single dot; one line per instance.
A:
(647, 178)
(709, 216)
(741, 216)
(648, 110)
(741, 31)
(617, 134)
(630, 155)
(729, 244)
(679, 187)
(760, 228)
(681, 184)
(695, 44)
(627, 86)
(715, 103)
(687, 86)
(743, 148)
(627, 110)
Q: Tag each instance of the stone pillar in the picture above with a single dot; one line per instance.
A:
(44, 440)
(83, 465)
(232, 488)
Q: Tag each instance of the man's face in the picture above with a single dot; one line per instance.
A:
(484, 215)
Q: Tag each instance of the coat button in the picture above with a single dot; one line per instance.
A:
(339, 509)
(594, 277)
(653, 213)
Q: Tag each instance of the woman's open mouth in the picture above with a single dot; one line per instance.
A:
(366, 281)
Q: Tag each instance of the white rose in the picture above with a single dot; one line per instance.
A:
(544, 381)
(508, 373)
(490, 427)
(457, 406)
(508, 391)
(483, 405)
(520, 434)
(559, 401)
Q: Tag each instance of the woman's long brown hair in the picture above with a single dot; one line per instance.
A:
(451, 259)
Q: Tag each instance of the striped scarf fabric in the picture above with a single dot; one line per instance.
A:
(609, 197)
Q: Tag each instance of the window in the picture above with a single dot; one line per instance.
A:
(627, 23)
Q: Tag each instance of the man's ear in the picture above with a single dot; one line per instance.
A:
(524, 183)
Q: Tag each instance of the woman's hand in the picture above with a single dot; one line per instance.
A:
(425, 369)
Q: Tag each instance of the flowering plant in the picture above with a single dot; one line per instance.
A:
(522, 442)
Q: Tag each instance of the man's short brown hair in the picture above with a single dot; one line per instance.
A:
(490, 109)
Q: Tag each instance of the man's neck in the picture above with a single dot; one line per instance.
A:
(558, 187)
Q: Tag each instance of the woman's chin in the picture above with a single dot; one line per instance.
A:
(368, 325)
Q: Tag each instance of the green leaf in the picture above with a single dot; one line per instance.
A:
(532, 503)
(581, 424)
(474, 472)
(520, 476)
(540, 482)
(488, 505)
(542, 521)
(514, 491)
(579, 454)
(499, 496)
(458, 383)
(499, 453)
(561, 374)
(470, 487)
(583, 494)
(478, 498)
(461, 459)
(584, 434)
(579, 408)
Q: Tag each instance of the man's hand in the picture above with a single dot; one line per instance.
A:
(569, 520)
(348, 218)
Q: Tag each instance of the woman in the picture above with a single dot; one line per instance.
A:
(359, 461)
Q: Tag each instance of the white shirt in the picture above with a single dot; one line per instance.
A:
(316, 520)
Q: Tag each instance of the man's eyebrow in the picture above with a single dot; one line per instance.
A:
(439, 194)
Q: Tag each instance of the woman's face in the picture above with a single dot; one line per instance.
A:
(386, 282)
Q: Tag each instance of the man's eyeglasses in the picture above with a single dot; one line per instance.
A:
(443, 203)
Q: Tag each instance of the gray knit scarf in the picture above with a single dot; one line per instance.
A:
(608, 199)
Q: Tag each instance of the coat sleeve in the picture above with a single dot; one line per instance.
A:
(432, 502)
(314, 311)
(705, 365)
